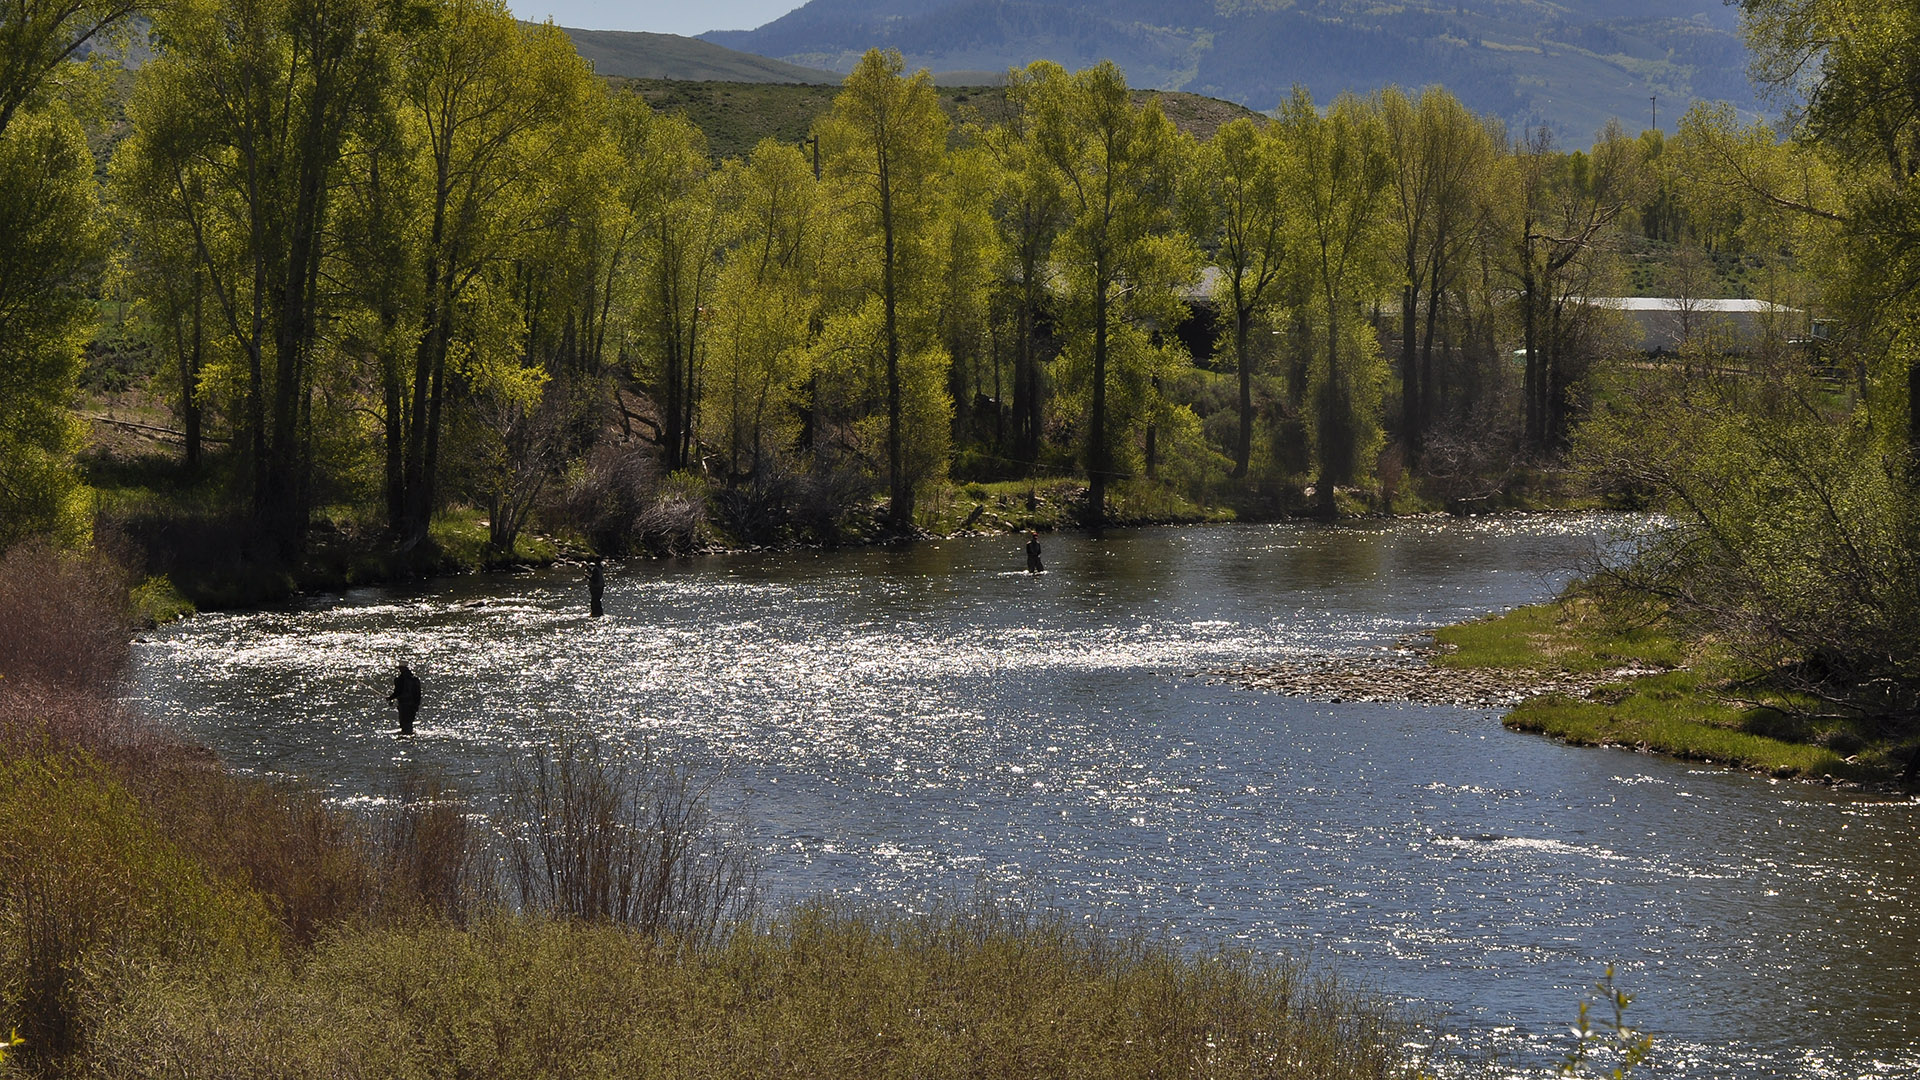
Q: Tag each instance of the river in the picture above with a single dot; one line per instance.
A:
(899, 724)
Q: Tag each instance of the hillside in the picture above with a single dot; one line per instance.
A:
(1568, 65)
(736, 115)
(634, 55)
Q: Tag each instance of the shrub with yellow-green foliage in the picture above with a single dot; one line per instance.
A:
(85, 879)
(823, 992)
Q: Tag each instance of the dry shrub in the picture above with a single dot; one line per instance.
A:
(592, 834)
(64, 649)
(756, 511)
(429, 854)
(823, 499)
(606, 495)
(306, 858)
(675, 521)
(63, 620)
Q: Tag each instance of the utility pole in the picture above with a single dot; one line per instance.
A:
(1655, 98)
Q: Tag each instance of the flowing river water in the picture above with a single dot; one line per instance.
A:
(904, 724)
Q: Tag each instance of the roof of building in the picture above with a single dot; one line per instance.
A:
(1678, 304)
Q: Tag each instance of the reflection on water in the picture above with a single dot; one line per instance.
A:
(904, 722)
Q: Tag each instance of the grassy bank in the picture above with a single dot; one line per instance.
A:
(1660, 694)
(160, 917)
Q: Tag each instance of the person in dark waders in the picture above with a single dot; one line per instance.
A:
(1033, 554)
(596, 584)
(406, 694)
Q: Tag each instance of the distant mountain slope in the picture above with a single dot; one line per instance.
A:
(735, 116)
(633, 55)
(1570, 65)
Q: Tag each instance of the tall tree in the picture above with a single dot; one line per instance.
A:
(1337, 180)
(885, 144)
(238, 130)
(50, 244)
(1568, 216)
(678, 229)
(1242, 165)
(1442, 155)
(1120, 168)
(39, 37)
(488, 104)
(1029, 210)
(1849, 72)
(767, 307)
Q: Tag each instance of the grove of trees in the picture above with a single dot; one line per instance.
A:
(380, 260)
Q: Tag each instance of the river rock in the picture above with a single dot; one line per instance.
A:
(1398, 678)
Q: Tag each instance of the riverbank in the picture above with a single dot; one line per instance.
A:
(183, 919)
(171, 525)
(1561, 669)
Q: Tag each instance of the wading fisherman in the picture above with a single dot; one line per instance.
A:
(1033, 553)
(596, 584)
(406, 694)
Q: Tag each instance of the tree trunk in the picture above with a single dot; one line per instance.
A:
(899, 494)
(1410, 432)
(1097, 458)
(1242, 322)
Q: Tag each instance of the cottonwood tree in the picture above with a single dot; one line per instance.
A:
(1847, 72)
(38, 39)
(1442, 157)
(1029, 210)
(1567, 218)
(1124, 263)
(1242, 166)
(678, 234)
(238, 130)
(766, 307)
(884, 149)
(1336, 180)
(50, 243)
(487, 105)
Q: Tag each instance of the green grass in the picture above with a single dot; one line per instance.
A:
(1688, 712)
(1018, 506)
(1563, 636)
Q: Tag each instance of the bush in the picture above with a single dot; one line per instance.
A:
(756, 512)
(596, 835)
(84, 878)
(63, 620)
(1788, 535)
(606, 494)
(428, 854)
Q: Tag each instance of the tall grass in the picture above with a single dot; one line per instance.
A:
(120, 845)
(823, 991)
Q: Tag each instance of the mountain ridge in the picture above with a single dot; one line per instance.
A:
(636, 54)
(1568, 66)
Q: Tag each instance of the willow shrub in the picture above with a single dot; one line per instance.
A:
(822, 992)
(87, 883)
(1788, 533)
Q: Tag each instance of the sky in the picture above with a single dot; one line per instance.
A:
(688, 17)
